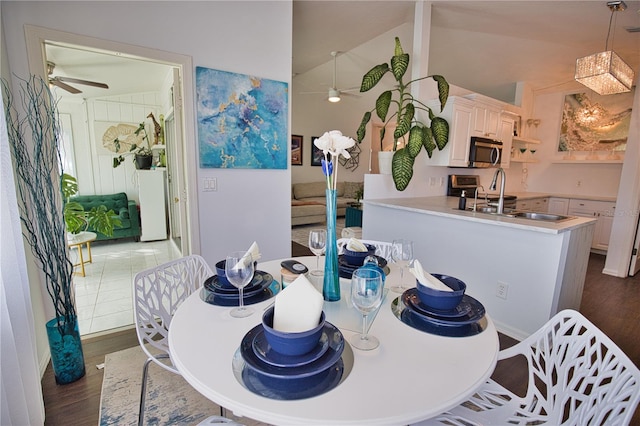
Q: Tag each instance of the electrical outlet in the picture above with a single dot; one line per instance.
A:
(502, 290)
(579, 183)
(432, 181)
(442, 181)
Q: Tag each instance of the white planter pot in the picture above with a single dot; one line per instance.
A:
(384, 162)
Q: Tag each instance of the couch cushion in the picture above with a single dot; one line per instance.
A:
(111, 201)
(309, 189)
(350, 189)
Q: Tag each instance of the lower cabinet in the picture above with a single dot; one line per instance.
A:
(533, 204)
(558, 205)
(603, 211)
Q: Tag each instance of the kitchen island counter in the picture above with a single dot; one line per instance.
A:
(448, 207)
(523, 271)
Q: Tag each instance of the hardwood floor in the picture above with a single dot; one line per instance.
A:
(613, 304)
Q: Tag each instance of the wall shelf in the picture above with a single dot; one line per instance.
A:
(518, 160)
(619, 161)
(525, 140)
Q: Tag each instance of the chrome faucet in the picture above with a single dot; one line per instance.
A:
(493, 188)
(475, 198)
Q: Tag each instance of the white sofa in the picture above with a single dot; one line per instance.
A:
(308, 201)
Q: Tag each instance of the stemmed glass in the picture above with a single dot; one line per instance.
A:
(366, 296)
(239, 269)
(402, 255)
(317, 243)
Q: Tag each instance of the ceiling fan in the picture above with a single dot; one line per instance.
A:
(61, 81)
(334, 93)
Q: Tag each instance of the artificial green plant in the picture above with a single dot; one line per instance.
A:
(421, 133)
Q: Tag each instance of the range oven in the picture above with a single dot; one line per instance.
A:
(484, 152)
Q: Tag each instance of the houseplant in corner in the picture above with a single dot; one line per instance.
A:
(417, 133)
(143, 157)
(77, 219)
(35, 140)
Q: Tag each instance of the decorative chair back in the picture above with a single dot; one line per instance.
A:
(383, 248)
(158, 292)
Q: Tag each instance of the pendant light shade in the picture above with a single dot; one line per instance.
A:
(606, 73)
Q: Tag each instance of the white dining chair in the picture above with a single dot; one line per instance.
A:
(157, 293)
(577, 376)
(383, 248)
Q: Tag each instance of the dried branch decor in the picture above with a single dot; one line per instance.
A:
(34, 139)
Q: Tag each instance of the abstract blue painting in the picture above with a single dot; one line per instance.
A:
(242, 120)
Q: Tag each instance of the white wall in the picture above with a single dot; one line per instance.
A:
(247, 37)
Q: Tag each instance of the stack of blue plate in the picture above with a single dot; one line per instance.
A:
(256, 291)
(286, 377)
(462, 320)
(345, 269)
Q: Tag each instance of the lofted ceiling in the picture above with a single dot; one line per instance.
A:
(484, 46)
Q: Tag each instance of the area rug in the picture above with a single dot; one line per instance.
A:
(170, 399)
(300, 233)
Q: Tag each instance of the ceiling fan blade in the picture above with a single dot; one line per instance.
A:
(56, 82)
(85, 82)
(324, 92)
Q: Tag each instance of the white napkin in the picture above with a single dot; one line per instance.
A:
(298, 307)
(252, 255)
(356, 245)
(426, 278)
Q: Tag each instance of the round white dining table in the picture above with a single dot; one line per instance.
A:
(410, 377)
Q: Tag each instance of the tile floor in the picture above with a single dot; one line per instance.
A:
(104, 295)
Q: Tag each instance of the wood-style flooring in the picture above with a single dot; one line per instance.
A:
(613, 304)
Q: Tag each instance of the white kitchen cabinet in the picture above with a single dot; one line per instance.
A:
(457, 112)
(603, 211)
(558, 205)
(486, 121)
(505, 135)
(540, 205)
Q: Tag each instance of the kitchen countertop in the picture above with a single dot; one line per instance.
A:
(447, 207)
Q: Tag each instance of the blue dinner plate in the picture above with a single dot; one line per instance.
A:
(345, 269)
(296, 388)
(326, 360)
(265, 352)
(414, 320)
(218, 300)
(260, 280)
(470, 312)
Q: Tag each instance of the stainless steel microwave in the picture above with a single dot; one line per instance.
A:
(484, 152)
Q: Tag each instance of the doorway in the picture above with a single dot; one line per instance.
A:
(37, 41)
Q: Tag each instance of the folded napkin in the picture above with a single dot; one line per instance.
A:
(252, 255)
(426, 278)
(356, 245)
(298, 307)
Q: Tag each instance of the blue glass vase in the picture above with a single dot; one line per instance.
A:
(331, 284)
(66, 350)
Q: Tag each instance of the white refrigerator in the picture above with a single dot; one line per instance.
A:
(153, 204)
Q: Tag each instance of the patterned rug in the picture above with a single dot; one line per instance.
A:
(300, 233)
(170, 399)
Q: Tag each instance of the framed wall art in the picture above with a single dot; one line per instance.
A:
(316, 153)
(242, 120)
(296, 150)
(591, 122)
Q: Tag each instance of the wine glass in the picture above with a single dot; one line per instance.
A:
(317, 243)
(402, 255)
(366, 296)
(239, 269)
(522, 151)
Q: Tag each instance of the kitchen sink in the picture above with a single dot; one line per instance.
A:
(549, 217)
(546, 217)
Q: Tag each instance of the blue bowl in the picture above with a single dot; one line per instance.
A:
(356, 258)
(222, 275)
(291, 343)
(442, 300)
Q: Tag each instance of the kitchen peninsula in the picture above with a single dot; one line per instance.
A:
(538, 267)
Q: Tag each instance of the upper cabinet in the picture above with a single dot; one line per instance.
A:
(486, 120)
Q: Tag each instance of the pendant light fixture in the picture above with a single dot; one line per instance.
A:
(605, 72)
